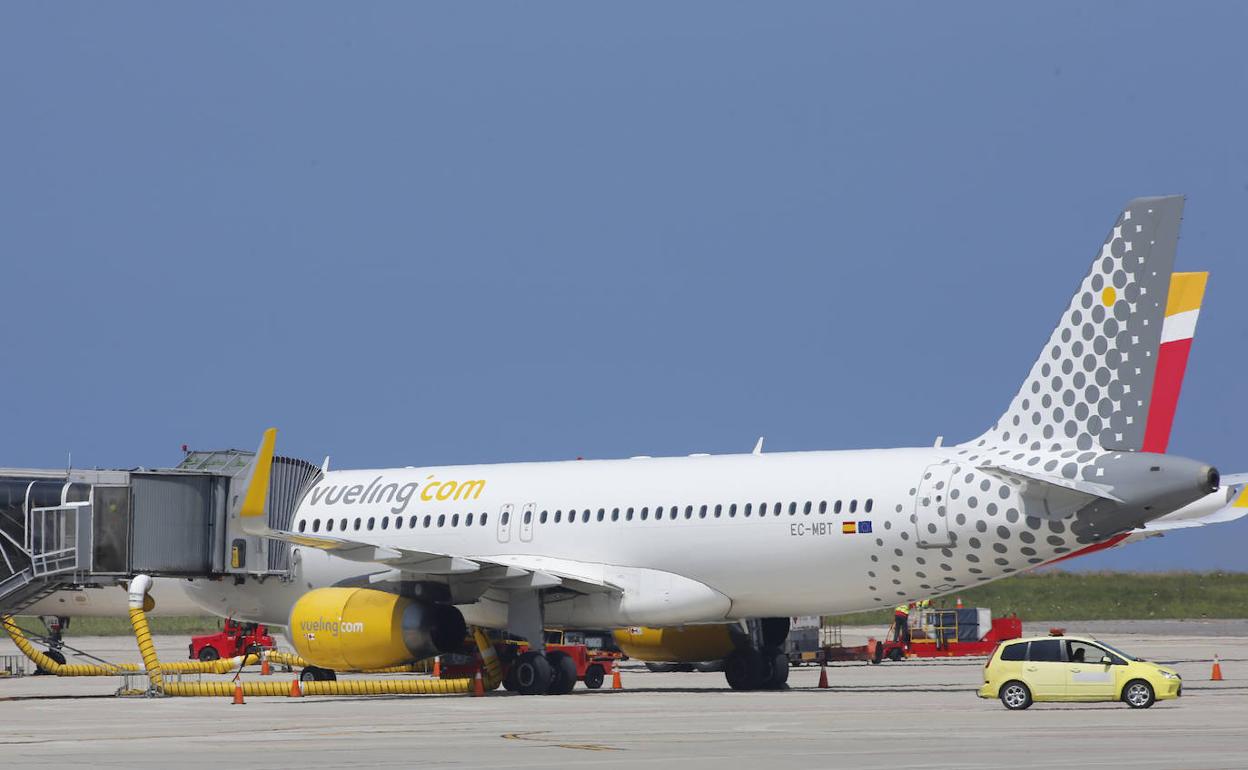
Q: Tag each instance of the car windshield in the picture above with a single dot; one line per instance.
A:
(1112, 648)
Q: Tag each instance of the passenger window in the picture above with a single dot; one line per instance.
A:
(398, 522)
(806, 508)
(506, 517)
(702, 512)
(823, 506)
(303, 524)
(867, 506)
(528, 517)
(428, 521)
(853, 506)
(792, 509)
(370, 523)
(777, 509)
(674, 512)
(542, 519)
(468, 519)
(615, 514)
(1082, 652)
(732, 510)
(1045, 651)
(455, 520)
(484, 516)
(411, 523)
(658, 513)
(385, 522)
(645, 511)
(748, 508)
(441, 520)
(602, 512)
(585, 516)
(1016, 651)
(342, 525)
(628, 516)
(837, 508)
(688, 511)
(719, 508)
(329, 525)
(316, 525)
(558, 516)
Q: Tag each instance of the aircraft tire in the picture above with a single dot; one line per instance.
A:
(744, 669)
(562, 673)
(533, 673)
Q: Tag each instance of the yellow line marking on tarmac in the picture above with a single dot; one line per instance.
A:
(532, 736)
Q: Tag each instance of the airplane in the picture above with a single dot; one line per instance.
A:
(392, 563)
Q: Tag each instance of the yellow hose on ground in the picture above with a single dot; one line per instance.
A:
(287, 659)
(46, 663)
(155, 673)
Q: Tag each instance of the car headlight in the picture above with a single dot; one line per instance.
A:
(1169, 675)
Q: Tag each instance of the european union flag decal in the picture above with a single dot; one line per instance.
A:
(864, 527)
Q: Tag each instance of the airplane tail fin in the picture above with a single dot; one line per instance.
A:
(1093, 382)
(1187, 291)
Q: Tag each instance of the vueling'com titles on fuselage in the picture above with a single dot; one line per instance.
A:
(379, 492)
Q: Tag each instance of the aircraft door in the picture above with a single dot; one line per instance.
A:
(504, 522)
(931, 507)
(526, 522)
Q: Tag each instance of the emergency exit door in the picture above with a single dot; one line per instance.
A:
(931, 507)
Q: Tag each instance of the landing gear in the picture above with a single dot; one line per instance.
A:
(532, 674)
(761, 664)
(562, 673)
(55, 655)
(317, 674)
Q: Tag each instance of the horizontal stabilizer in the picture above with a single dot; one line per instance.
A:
(1030, 480)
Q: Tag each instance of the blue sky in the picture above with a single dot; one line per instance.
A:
(447, 232)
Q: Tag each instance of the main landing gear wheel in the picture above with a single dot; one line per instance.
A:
(594, 676)
(775, 674)
(562, 673)
(317, 674)
(532, 673)
(744, 669)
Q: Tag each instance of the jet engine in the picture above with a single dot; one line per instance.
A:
(354, 629)
(687, 644)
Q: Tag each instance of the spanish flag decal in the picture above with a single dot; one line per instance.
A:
(849, 527)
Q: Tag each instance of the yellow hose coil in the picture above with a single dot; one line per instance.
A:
(155, 673)
(44, 662)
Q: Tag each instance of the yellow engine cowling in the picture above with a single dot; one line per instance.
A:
(688, 644)
(354, 629)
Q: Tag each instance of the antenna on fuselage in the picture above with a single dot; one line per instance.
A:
(325, 465)
(758, 447)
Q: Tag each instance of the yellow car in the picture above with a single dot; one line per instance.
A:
(1067, 668)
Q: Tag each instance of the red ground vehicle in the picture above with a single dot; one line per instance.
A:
(949, 633)
(234, 638)
(592, 666)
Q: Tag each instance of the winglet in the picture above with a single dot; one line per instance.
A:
(1242, 500)
(257, 494)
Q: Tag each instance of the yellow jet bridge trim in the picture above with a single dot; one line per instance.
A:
(46, 663)
(155, 672)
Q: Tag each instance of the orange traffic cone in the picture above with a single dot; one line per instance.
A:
(959, 604)
(265, 670)
(295, 690)
(437, 668)
(1217, 670)
(823, 677)
(616, 684)
(238, 694)
(478, 687)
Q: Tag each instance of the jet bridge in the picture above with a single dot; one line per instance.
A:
(66, 529)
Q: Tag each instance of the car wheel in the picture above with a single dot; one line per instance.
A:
(896, 654)
(1139, 694)
(594, 676)
(209, 654)
(1015, 696)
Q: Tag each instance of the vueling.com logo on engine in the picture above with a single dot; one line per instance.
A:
(332, 627)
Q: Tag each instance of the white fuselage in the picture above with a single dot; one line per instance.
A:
(807, 555)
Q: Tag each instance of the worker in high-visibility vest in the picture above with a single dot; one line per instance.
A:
(901, 623)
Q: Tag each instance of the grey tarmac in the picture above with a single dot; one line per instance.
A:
(913, 714)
